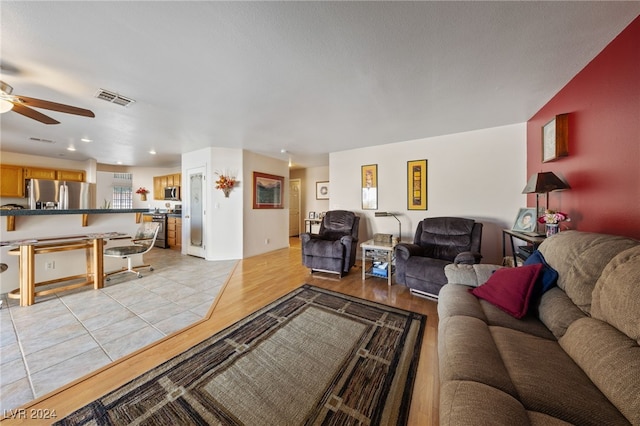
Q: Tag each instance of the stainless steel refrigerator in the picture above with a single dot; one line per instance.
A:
(58, 194)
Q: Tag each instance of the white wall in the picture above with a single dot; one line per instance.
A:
(264, 229)
(478, 174)
(222, 227)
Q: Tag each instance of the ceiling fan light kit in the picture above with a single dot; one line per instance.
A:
(23, 105)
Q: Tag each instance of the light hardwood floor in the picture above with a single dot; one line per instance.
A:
(253, 283)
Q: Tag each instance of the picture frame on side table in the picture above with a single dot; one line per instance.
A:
(268, 191)
(417, 185)
(526, 220)
(322, 190)
(555, 138)
(369, 187)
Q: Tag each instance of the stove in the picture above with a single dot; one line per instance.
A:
(161, 239)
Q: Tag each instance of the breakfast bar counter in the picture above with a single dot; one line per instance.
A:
(29, 248)
(12, 214)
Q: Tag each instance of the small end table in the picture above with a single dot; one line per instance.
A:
(373, 251)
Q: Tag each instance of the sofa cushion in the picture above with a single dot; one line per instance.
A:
(510, 289)
(454, 347)
(610, 359)
(579, 258)
(473, 403)
(616, 297)
(550, 382)
(548, 276)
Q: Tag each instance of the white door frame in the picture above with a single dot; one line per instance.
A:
(198, 251)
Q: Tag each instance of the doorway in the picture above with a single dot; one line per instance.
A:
(294, 207)
(195, 212)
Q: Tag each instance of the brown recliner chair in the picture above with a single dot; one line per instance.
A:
(333, 249)
(438, 242)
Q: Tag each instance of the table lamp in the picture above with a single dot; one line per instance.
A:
(544, 183)
(386, 214)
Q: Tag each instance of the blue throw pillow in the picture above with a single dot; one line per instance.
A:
(548, 276)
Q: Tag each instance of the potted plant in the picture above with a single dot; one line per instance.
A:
(552, 220)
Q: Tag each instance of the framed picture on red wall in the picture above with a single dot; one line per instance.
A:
(555, 138)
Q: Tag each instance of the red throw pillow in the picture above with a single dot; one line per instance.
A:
(510, 288)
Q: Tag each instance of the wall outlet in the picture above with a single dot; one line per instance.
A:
(50, 265)
(266, 241)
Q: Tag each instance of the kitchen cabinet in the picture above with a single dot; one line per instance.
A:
(174, 232)
(70, 175)
(161, 182)
(39, 173)
(53, 174)
(11, 181)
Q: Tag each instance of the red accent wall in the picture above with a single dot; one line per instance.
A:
(603, 165)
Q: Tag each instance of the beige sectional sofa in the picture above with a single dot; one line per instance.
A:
(573, 359)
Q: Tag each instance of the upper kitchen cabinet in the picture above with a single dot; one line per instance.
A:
(11, 181)
(70, 175)
(52, 174)
(39, 173)
(162, 182)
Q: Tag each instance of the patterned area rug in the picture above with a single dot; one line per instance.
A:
(312, 357)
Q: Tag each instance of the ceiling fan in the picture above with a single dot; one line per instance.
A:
(23, 105)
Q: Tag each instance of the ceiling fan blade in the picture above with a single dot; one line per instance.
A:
(54, 106)
(32, 113)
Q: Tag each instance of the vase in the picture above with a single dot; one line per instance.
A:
(226, 191)
(143, 197)
(552, 229)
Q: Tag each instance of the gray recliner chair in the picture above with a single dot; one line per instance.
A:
(333, 249)
(438, 242)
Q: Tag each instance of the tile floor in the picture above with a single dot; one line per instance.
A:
(65, 336)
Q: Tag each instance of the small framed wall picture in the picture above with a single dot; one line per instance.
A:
(555, 138)
(417, 185)
(369, 187)
(268, 191)
(322, 190)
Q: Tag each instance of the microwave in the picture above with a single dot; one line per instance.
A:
(172, 193)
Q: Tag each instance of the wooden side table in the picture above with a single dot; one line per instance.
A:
(534, 240)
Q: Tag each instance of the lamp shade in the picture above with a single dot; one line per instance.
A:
(544, 182)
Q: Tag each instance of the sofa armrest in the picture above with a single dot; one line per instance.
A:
(468, 257)
(406, 250)
(471, 275)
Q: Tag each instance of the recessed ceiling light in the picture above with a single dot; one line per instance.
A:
(152, 152)
(86, 140)
(71, 148)
(118, 162)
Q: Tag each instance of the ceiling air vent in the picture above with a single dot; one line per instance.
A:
(41, 140)
(113, 97)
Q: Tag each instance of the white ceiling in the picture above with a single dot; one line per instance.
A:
(306, 77)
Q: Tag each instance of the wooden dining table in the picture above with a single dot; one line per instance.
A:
(27, 249)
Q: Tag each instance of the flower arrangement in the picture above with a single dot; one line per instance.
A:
(225, 183)
(553, 217)
(142, 190)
